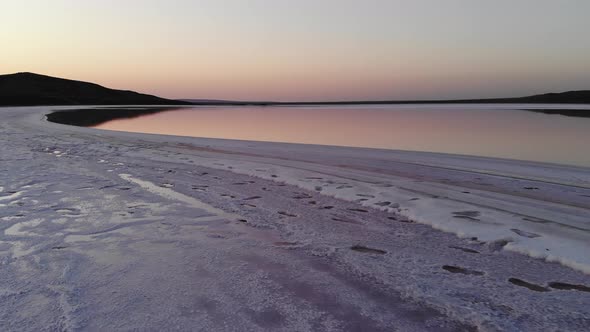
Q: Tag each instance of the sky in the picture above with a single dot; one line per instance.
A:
(304, 50)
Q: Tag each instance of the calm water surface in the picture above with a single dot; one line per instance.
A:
(484, 130)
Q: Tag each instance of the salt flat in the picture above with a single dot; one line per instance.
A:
(118, 231)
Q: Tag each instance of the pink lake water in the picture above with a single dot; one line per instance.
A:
(504, 131)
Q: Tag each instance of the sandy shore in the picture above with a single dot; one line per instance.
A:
(118, 231)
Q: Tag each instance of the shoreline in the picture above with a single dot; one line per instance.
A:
(432, 272)
(99, 118)
(504, 203)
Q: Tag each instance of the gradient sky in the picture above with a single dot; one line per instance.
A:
(304, 49)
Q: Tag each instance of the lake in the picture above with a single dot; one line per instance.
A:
(504, 131)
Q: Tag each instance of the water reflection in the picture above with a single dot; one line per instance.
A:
(97, 116)
(485, 130)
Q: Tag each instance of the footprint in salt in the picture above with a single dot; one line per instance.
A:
(368, 250)
(345, 219)
(525, 234)
(284, 213)
(301, 196)
(382, 203)
(200, 187)
(461, 270)
(566, 286)
(528, 285)
(470, 215)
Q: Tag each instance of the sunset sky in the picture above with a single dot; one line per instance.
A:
(304, 49)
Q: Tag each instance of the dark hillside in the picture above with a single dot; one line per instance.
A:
(28, 89)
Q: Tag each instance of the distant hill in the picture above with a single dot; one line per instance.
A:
(569, 97)
(29, 89)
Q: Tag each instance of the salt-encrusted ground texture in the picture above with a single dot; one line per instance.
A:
(108, 231)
